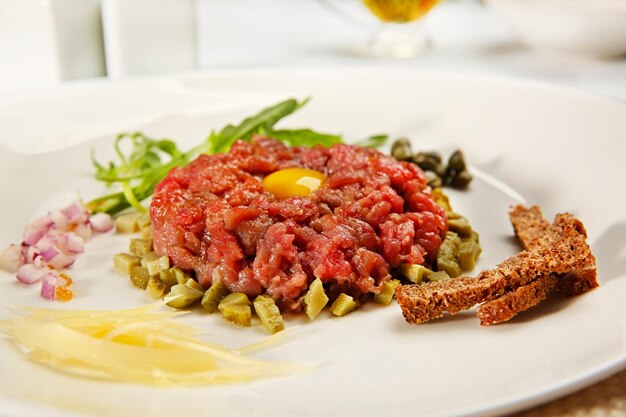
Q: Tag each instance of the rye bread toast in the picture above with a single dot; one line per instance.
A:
(560, 250)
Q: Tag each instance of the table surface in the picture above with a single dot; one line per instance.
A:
(467, 38)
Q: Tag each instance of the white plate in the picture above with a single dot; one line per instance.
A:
(557, 148)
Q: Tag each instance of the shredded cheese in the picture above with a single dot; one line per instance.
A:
(141, 345)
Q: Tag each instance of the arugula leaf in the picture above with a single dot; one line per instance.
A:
(266, 120)
(373, 141)
(305, 137)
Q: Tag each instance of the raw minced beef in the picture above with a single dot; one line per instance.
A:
(371, 214)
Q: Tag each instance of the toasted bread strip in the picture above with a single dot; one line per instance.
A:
(530, 225)
(522, 298)
(561, 250)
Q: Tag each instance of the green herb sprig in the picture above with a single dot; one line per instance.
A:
(149, 160)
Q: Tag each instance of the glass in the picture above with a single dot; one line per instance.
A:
(399, 33)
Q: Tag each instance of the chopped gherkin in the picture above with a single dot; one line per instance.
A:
(235, 309)
(343, 305)
(268, 312)
(387, 291)
(212, 297)
(181, 296)
(315, 299)
(155, 288)
(124, 262)
(140, 247)
(414, 272)
(139, 276)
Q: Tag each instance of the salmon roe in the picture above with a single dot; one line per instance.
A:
(63, 293)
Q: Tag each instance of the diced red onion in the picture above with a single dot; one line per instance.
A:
(30, 253)
(12, 258)
(49, 253)
(74, 243)
(45, 242)
(36, 229)
(29, 274)
(59, 220)
(48, 285)
(38, 262)
(101, 222)
(61, 260)
(76, 213)
(84, 230)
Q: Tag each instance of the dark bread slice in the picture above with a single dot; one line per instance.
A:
(530, 225)
(560, 250)
(522, 298)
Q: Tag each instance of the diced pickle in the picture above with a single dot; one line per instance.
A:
(156, 288)
(235, 298)
(438, 276)
(146, 232)
(144, 221)
(181, 296)
(474, 237)
(387, 291)
(181, 276)
(155, 263)
(139, 276)
(140, 247)
(266, 309)
(441, 199)
(127, 223)
(461, 226)
(450, 266)
(240, 315)
(124, 262)
(235, 309)
(149, 257)
(212, 297)
(343, 305)
(168, 278)
(414, 272)
(454, 238)
(315, 299)
(192, 283)
(468, 254)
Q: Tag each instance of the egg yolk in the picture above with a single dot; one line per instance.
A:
(291, 182)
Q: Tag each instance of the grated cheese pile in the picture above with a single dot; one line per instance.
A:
(142, 345)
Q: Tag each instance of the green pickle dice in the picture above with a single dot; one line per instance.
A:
(139, 276)
(212, 297)
(127, 223)
(124, 262)
(168, 278)
(266, 309)
(438, 276)
(343, 305)
(140, 247)
(414, 272)
(235, 309)
(315, 299)
(155, 288)
(387, 291)
(181, 296)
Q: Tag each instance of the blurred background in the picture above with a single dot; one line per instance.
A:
(578, 43)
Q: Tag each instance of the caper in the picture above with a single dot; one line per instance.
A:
(401, 149)
(457, 161)
(461, 180)
(429, 161)
(434, 180)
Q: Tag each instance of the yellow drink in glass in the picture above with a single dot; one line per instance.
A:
(400, 11)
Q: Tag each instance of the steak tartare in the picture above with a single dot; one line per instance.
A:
(371, 214)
